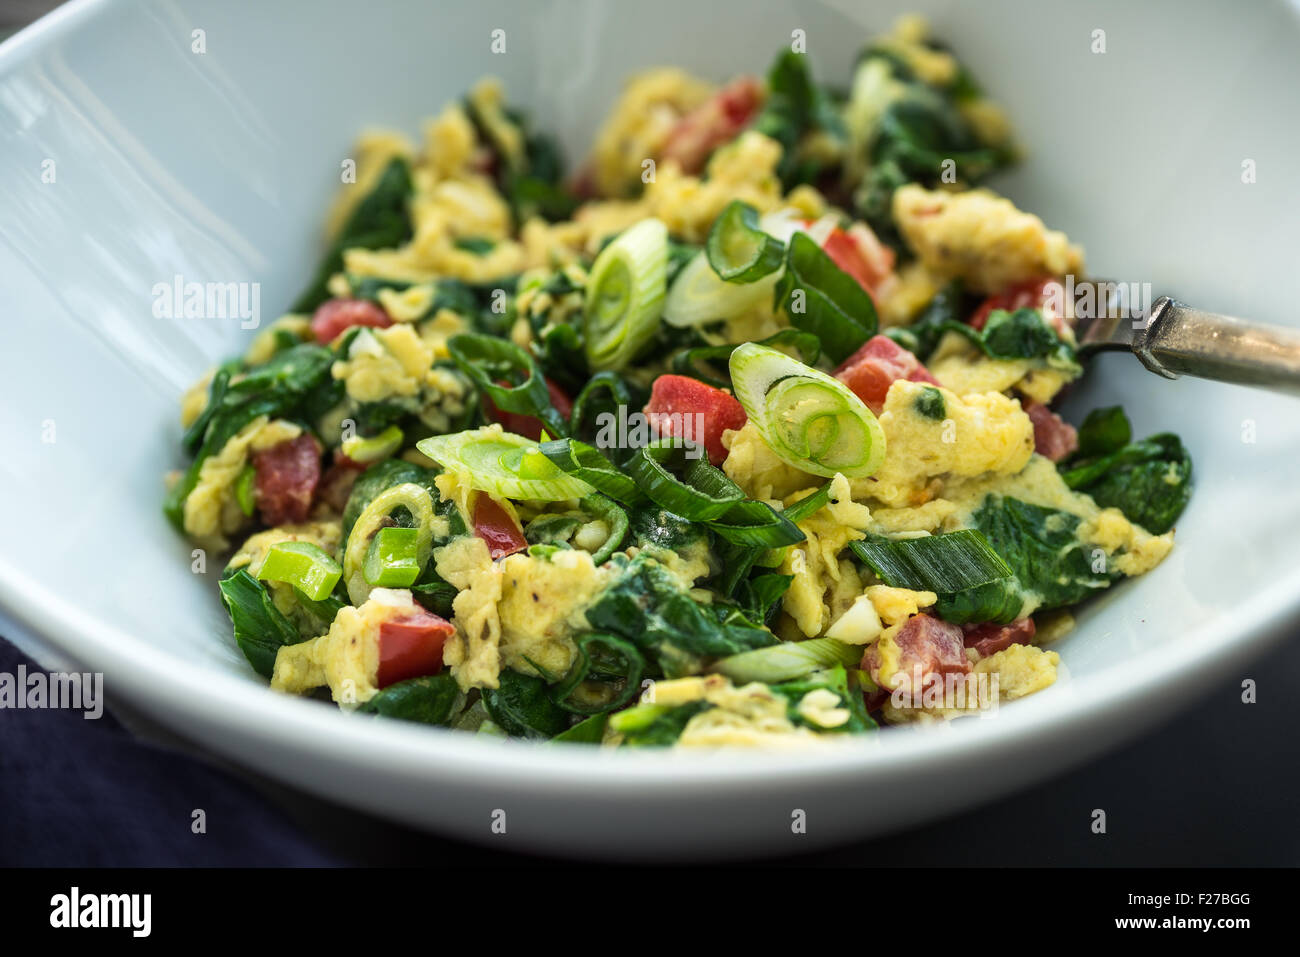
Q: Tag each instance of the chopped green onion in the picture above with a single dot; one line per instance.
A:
(366, 451)
(702, 494)
(606, 650)
(637, 718)
(943, 564)
(244, 490)
(589, 464)
(788, 660)
(375, 517)
(588, 399)
(738, 250)
(503, 464)
(587, 731)
(625, 295)
(930, 404)
(609, 512)
(392, 560)
(811, 421)
(809, 505)
(698, 296)
(304, 566)
(488, 359)
(757, 524)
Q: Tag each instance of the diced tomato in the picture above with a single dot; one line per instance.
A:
(493, 524)
(675, 400)
(876, 366)
(989, 637)
(529, 426)
(285, 480)
(1034, 294)
(860, 254)
(714, 122)
(336, 316)
(411, 647)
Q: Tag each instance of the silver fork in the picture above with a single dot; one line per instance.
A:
(1173, 339)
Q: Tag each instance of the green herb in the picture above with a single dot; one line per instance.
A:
(930, 404)
(821, 298)
(738, 250)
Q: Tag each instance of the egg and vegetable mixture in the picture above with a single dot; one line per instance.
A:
(739, 433)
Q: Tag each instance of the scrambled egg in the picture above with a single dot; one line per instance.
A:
(981, 238)
(752, 465)
(323, 534)
(814, 563)
(638, 126)
(1019, 670)
(964, 369)
(397, 364)
(981, 433)
(520, 612)
(347, 656)
(211, 512)
(752, 715)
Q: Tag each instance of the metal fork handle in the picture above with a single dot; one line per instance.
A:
(1178, 339)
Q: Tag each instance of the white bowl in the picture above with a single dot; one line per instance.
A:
(218, 166)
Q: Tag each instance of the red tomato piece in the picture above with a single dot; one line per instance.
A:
(285, 480)
(336, 316)
(716, 121)
(677, 400)
(1033, 294)
(529, 426)
(493, 524)
(860, 254)
(411, 647)
(877, 365)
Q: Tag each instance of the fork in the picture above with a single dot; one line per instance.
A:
(1173, 339)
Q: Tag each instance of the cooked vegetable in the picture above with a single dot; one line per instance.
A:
(738, 250)
(811, 421)
(699, 296)
(821, 298)
(788, 660)
(260, 628)
(416, 502)
(625, 294)
(942, 564)
(393, 558)
(1149, 481)
(304, 566)
(502, 463)
(489, 362)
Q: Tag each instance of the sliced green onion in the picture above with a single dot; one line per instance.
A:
(942, 564)
(605, 649)
(589, 464)
(811, 421)
(702, 494)
(366, 451)
(244, 490)
(304, 566)
(698, 296)
(636, 719)
(392, 560)
(589, 398)
(373, 518)
(625, 295)
(757, 524)
(609, 512)
(809, 505)
(503, 464)
(738, 250)
(788, 660)
(488, 359)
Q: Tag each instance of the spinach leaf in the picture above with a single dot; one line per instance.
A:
(657, 527)
(796, 106)
(260, 629)
(921, 336)
(428, 700)
(587, 731)
(1048, 561)
(649, 607)
(760, 597)
(277, 388)
(1149, 481)
(931, 405)
(821, 298)
(522, 707)
(1022, 334)
(1103, 431)
(379, 221)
